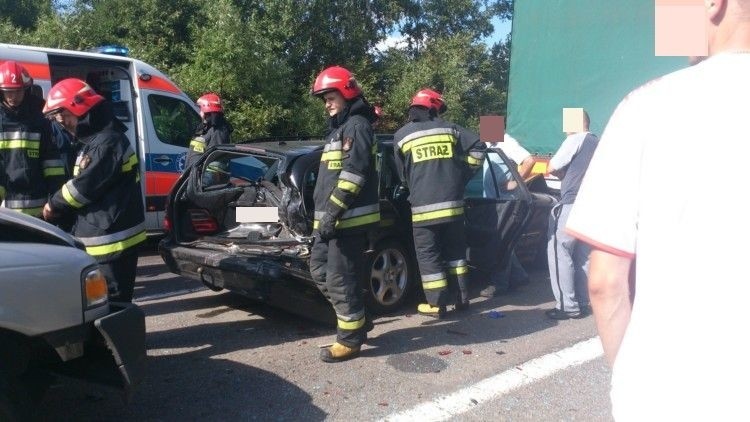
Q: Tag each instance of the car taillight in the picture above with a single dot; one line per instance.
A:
(95, 288)
(203, 222)
(167, 224)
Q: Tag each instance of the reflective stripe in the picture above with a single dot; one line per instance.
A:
(432, 285)
(34, 212)
(20, 144)
(34, 136)
(429, 140)
(433, 277)
(72, 196)
(52, 163)
(53, 171)
(25, 203)
(352, 177)
(436, 207)
(198, 145)
(115, 242)
(434, 215)
(131, 162)
(457, 263)
(359, 216)
(355, 212)
(332, 146)
(358, 221)
(348, 186)
(76, 170)
(2, 193)
(351, 325)
(429, 132)
(473, 161)
(331, 156)
(338, 202)
(458, 270)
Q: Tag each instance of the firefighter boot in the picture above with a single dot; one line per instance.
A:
(338, 353)
(432, 311)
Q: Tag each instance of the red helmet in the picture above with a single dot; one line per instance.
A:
(430, 99)
(14, 76)
(210, 103)
(72, 94)
(336, 78)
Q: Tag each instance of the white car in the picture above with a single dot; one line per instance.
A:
(55, 316)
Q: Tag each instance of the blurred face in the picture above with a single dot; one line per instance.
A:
(68, 120)
(334, 103)
(13, 97)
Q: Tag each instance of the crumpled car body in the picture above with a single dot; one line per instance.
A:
(220, 232)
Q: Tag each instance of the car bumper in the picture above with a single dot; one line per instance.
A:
(124, 333)
(284, 283)
(115, 349)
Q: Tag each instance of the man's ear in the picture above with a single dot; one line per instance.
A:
(715, 9)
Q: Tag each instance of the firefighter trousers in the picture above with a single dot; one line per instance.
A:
(441, 254)
(120, 273)
(335, 266)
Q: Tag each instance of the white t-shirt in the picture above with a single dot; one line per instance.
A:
(658, 189)
(511, 148)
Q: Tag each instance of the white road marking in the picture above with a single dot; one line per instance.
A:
(465, 399)
(168, 294)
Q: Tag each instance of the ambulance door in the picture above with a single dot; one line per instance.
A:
(168, 123)
(497, 206)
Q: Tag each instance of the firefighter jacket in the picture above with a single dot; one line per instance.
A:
(215, 131)
(33, 168)
(436, 159)
(105, 194)
(347, 184)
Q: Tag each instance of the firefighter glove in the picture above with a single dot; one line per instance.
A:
(327, 226)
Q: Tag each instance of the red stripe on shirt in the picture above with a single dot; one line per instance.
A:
(599, 245)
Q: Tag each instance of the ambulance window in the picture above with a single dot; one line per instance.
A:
(174, 120)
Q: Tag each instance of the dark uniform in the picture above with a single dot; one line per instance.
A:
(215, 131)
(346, 192)
(105, 194)
(33, 168)
(436, 159)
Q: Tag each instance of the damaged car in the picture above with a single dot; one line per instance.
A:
(241, 219)
(55, 317)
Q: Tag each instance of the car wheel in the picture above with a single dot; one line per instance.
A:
(390, 277)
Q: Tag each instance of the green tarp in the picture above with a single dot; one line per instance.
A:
(577, 53)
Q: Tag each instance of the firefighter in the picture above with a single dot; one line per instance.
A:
(435, 160)
(346, 206)
(105, 191)
(213, 130)
(33, 168)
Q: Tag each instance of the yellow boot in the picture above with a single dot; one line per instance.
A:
(338, 353)
(432, 311)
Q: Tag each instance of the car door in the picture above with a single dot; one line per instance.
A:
(497, 206)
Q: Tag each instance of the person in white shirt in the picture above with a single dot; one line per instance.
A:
(512, 275)
(668, 275)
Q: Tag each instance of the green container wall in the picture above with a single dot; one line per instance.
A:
(577, 53)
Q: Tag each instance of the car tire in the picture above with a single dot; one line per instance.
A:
(390, 277)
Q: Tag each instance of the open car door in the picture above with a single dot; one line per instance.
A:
(497, 207)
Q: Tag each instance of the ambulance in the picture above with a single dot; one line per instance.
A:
(160, 118)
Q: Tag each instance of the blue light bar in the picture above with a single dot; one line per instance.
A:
(115, 50)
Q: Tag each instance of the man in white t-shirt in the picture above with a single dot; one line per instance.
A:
(674, 326)
(513, 275)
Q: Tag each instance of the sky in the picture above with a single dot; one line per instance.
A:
(502, 29)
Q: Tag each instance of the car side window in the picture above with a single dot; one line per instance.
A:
(174, 120)
(493, 180)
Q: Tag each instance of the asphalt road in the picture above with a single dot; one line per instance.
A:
(218, 356)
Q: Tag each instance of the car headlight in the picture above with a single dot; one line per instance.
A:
(95, 288)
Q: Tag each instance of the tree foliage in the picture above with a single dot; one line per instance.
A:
(262, 56)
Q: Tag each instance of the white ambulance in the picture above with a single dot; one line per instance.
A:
(160, 118)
